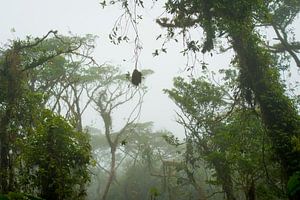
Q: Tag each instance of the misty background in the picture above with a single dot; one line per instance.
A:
(76, 17)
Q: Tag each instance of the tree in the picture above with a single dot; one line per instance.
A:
(18, 103)
(223, 131)
(115, 91)
(236, 21)
(200, 103)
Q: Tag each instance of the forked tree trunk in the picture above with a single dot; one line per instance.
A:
(113, 147)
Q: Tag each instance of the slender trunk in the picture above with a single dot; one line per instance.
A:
(194, 183)
(224, 175)
(77, 110)
(11, 173)
(113, 147)
(198, 188)
(4, 149)
(111, 174)
(278, 113)
(250, 193)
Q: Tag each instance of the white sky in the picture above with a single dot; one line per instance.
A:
(37, 17)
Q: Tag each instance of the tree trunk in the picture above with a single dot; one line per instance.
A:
(4, 149)
(4, 158)
(250, 193)
(111, 174)
(196, 185)
(10, 79)
(224, 175)
(278, 113)
(200, 191)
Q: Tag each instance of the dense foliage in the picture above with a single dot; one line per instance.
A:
(41, 153)
(60, 167)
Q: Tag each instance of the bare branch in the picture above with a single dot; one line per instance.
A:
(38, 41)
(285, 43)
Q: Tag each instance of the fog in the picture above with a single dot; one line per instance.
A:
(226, 140)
